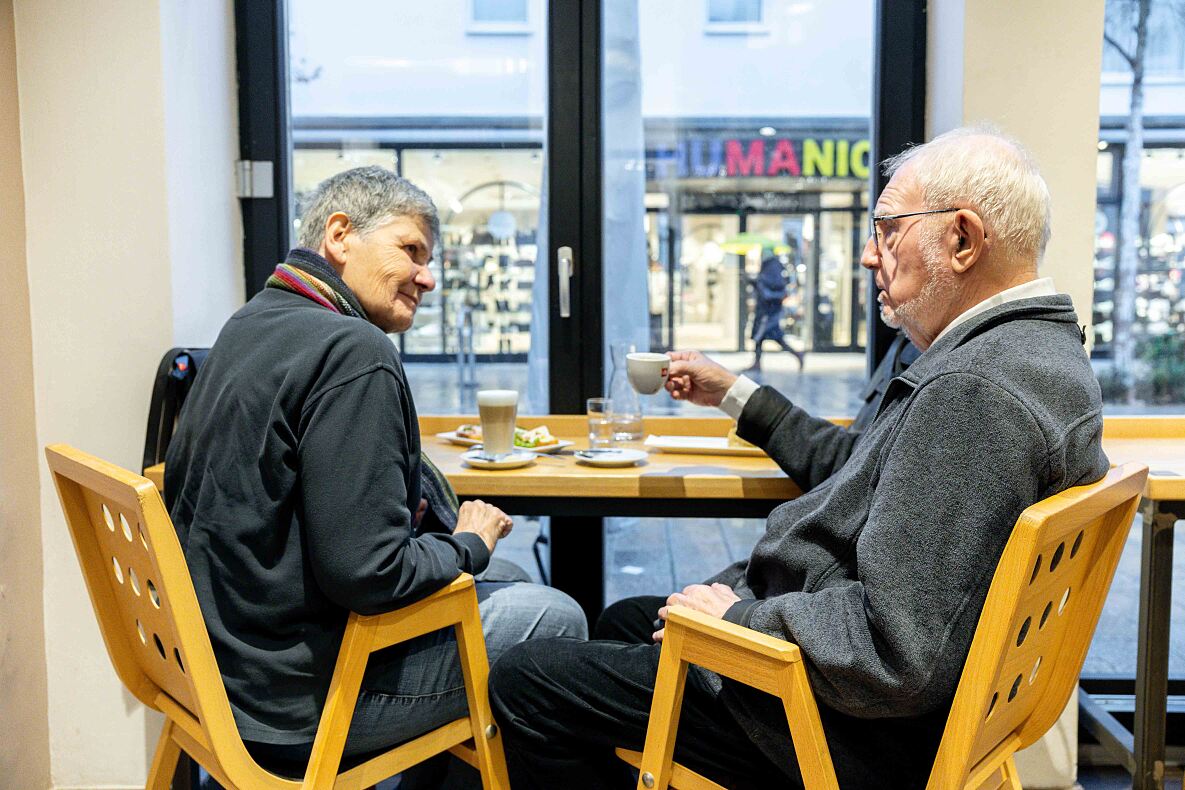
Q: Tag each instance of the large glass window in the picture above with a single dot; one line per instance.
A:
(732, 11)
(1138, 313)
(461, 117)
(1139, 301)
(736, 181)
(500, 11)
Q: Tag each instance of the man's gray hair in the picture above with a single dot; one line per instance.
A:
(980, 168)
(371, 197)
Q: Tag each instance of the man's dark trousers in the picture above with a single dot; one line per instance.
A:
(564, 705)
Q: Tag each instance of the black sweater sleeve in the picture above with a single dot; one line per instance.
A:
(356, 460)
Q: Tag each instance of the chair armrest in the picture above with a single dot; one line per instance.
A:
(758, 660)
(441, 609)
(367, 634)
(733, 634)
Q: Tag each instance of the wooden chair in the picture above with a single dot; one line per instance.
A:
(1023, 665)
(148, 613)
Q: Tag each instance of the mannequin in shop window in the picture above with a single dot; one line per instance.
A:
(771, 288)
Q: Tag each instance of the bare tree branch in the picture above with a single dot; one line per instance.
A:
(1131, 59)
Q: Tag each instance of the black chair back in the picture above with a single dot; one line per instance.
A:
(174, 377)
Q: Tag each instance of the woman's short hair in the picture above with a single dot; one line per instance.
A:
(371, 197)
(980, 168)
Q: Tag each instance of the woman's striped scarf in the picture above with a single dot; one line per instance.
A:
(289, 278)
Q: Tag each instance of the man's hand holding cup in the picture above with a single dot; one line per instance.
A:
(696, 379)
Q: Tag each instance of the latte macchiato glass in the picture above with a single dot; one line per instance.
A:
(647, 371)
(498, 409)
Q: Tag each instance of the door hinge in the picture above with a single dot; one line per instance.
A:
(253, 179)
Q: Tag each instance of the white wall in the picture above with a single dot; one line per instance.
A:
(201, 118)
(127, 142)
(1033, 70)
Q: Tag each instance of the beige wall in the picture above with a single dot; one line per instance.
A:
(24, 731)
(132, 242)
(94, 159)
(1031, 68)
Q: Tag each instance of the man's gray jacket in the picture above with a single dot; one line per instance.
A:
(878, 572)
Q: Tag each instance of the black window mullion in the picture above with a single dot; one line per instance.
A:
(574, 200)
(261, 51)
(592, 302)
(898, 118)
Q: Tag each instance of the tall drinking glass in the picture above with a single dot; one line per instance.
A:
(498, 409)
(600, 423)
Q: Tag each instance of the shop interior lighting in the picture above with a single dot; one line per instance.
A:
(767, 131)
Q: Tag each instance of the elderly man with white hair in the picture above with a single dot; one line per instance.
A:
(879, 571)
(300, 492)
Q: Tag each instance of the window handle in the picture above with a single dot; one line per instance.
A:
(566, 270)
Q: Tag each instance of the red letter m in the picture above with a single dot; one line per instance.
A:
(740, 164)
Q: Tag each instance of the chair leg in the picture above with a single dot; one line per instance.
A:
(806, 729)
(475, 666)
(658, 754)
(164, 762)
(1011, 777)
(330, 741)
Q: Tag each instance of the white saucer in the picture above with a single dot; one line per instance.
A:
(512, 460)
(451, 436)
(615, 457)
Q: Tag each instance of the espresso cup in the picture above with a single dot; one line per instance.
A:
(498, 409)
(647, 371)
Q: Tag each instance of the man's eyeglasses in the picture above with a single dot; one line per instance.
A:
(878, 239)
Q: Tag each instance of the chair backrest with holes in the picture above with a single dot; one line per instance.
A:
(143, 595)
(1037, 622)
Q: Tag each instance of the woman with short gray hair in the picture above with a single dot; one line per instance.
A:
(300, 492)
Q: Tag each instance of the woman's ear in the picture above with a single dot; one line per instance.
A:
(335, 243)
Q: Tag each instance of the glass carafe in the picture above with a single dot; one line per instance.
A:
(626, 406)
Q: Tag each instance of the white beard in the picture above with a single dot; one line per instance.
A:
(941, 287)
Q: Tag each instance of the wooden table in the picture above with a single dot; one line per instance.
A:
(578, 497)
(666, 482)
(1158, 442)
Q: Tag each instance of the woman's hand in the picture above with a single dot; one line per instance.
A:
(490, 523)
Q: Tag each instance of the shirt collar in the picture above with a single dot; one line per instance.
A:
(1033, 288)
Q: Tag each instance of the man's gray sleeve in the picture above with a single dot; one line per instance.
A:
(734, 577)
(808, 449)
(967, 460)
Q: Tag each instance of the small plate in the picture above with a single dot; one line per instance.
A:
(614, 457)
(512, 460)
(451, 436)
